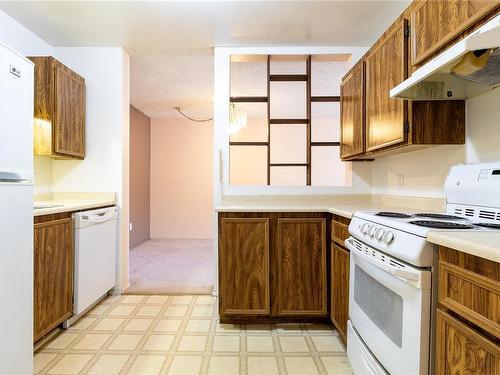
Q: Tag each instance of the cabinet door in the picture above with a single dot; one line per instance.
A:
(53, 275)
(435, 23)
(244, 266)
(69, 126)
(386, 67)
(460, 350)
(352, 125)
(301, 247)
(340, 289)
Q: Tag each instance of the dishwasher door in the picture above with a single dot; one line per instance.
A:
(95, 256)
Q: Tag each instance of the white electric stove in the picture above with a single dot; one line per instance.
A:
(391, 272)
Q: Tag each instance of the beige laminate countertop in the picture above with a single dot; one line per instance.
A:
(341, 209)
(67, 202)
(484, 244)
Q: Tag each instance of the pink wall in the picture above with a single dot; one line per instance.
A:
(140, 166)
(181, 179)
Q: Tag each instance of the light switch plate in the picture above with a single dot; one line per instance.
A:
(401, 181)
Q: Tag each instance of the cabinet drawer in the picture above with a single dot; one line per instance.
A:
(471, 295)
(461, 350)
(340, 232)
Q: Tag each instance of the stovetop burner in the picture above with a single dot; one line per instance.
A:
(440, 224)
(488, 225)
(398, 215)
(440, 216)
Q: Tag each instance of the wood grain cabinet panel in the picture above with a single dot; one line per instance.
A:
(435, 23)
(301, 247)
(386, 67)
(53, 274)
(461, 350)
(470, 286)
(69, 137)
(352, 118)
(340, 230)
(339, 309)
(59, 110)
(244, 266)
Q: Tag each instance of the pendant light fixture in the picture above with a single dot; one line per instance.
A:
(237, 119)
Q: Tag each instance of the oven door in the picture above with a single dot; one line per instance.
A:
(389, 307)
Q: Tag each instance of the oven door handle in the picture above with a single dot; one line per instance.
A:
(407, 274)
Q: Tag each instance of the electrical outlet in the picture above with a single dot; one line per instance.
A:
(401, 181)
(130, 225)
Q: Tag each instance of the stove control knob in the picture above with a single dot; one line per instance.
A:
(388, 238)
(364, 228)
(379, 234)
(372, 231)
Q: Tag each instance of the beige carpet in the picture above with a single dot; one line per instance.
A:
(172, 266)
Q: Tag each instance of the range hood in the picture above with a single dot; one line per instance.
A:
(468, 68)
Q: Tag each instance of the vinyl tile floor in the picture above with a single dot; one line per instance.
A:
(180, 335)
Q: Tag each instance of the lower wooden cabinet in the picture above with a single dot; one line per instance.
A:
(244, 265)
(301, 247)
(273, 266)
(339, 309)
(53, 273)
(468, 315)
(462, 350)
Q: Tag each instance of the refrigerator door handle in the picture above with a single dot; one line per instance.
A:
(12, 177)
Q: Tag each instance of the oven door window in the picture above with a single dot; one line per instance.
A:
(380, 304)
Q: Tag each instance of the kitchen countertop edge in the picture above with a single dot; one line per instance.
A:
(72, 206)
(342, 209)
(483, 244)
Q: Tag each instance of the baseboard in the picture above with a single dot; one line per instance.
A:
(138, 244)
(118, 291)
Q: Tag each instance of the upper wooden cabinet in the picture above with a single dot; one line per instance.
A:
(389, 126)
(435, 23)
(59, 123)
(244, 266)
(53, 273)
(301, 247)
(352, 106)
(386, 67)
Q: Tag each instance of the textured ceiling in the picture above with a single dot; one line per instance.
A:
(161, 80)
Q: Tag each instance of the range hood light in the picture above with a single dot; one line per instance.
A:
(466, 69)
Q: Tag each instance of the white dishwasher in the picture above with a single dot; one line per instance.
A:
(95, 256)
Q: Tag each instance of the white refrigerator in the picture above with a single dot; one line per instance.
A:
(16, 212)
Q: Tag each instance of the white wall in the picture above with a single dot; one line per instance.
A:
(22, 39)
(425, 171)
(105, 168)
(42, 167)
(181, 179)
